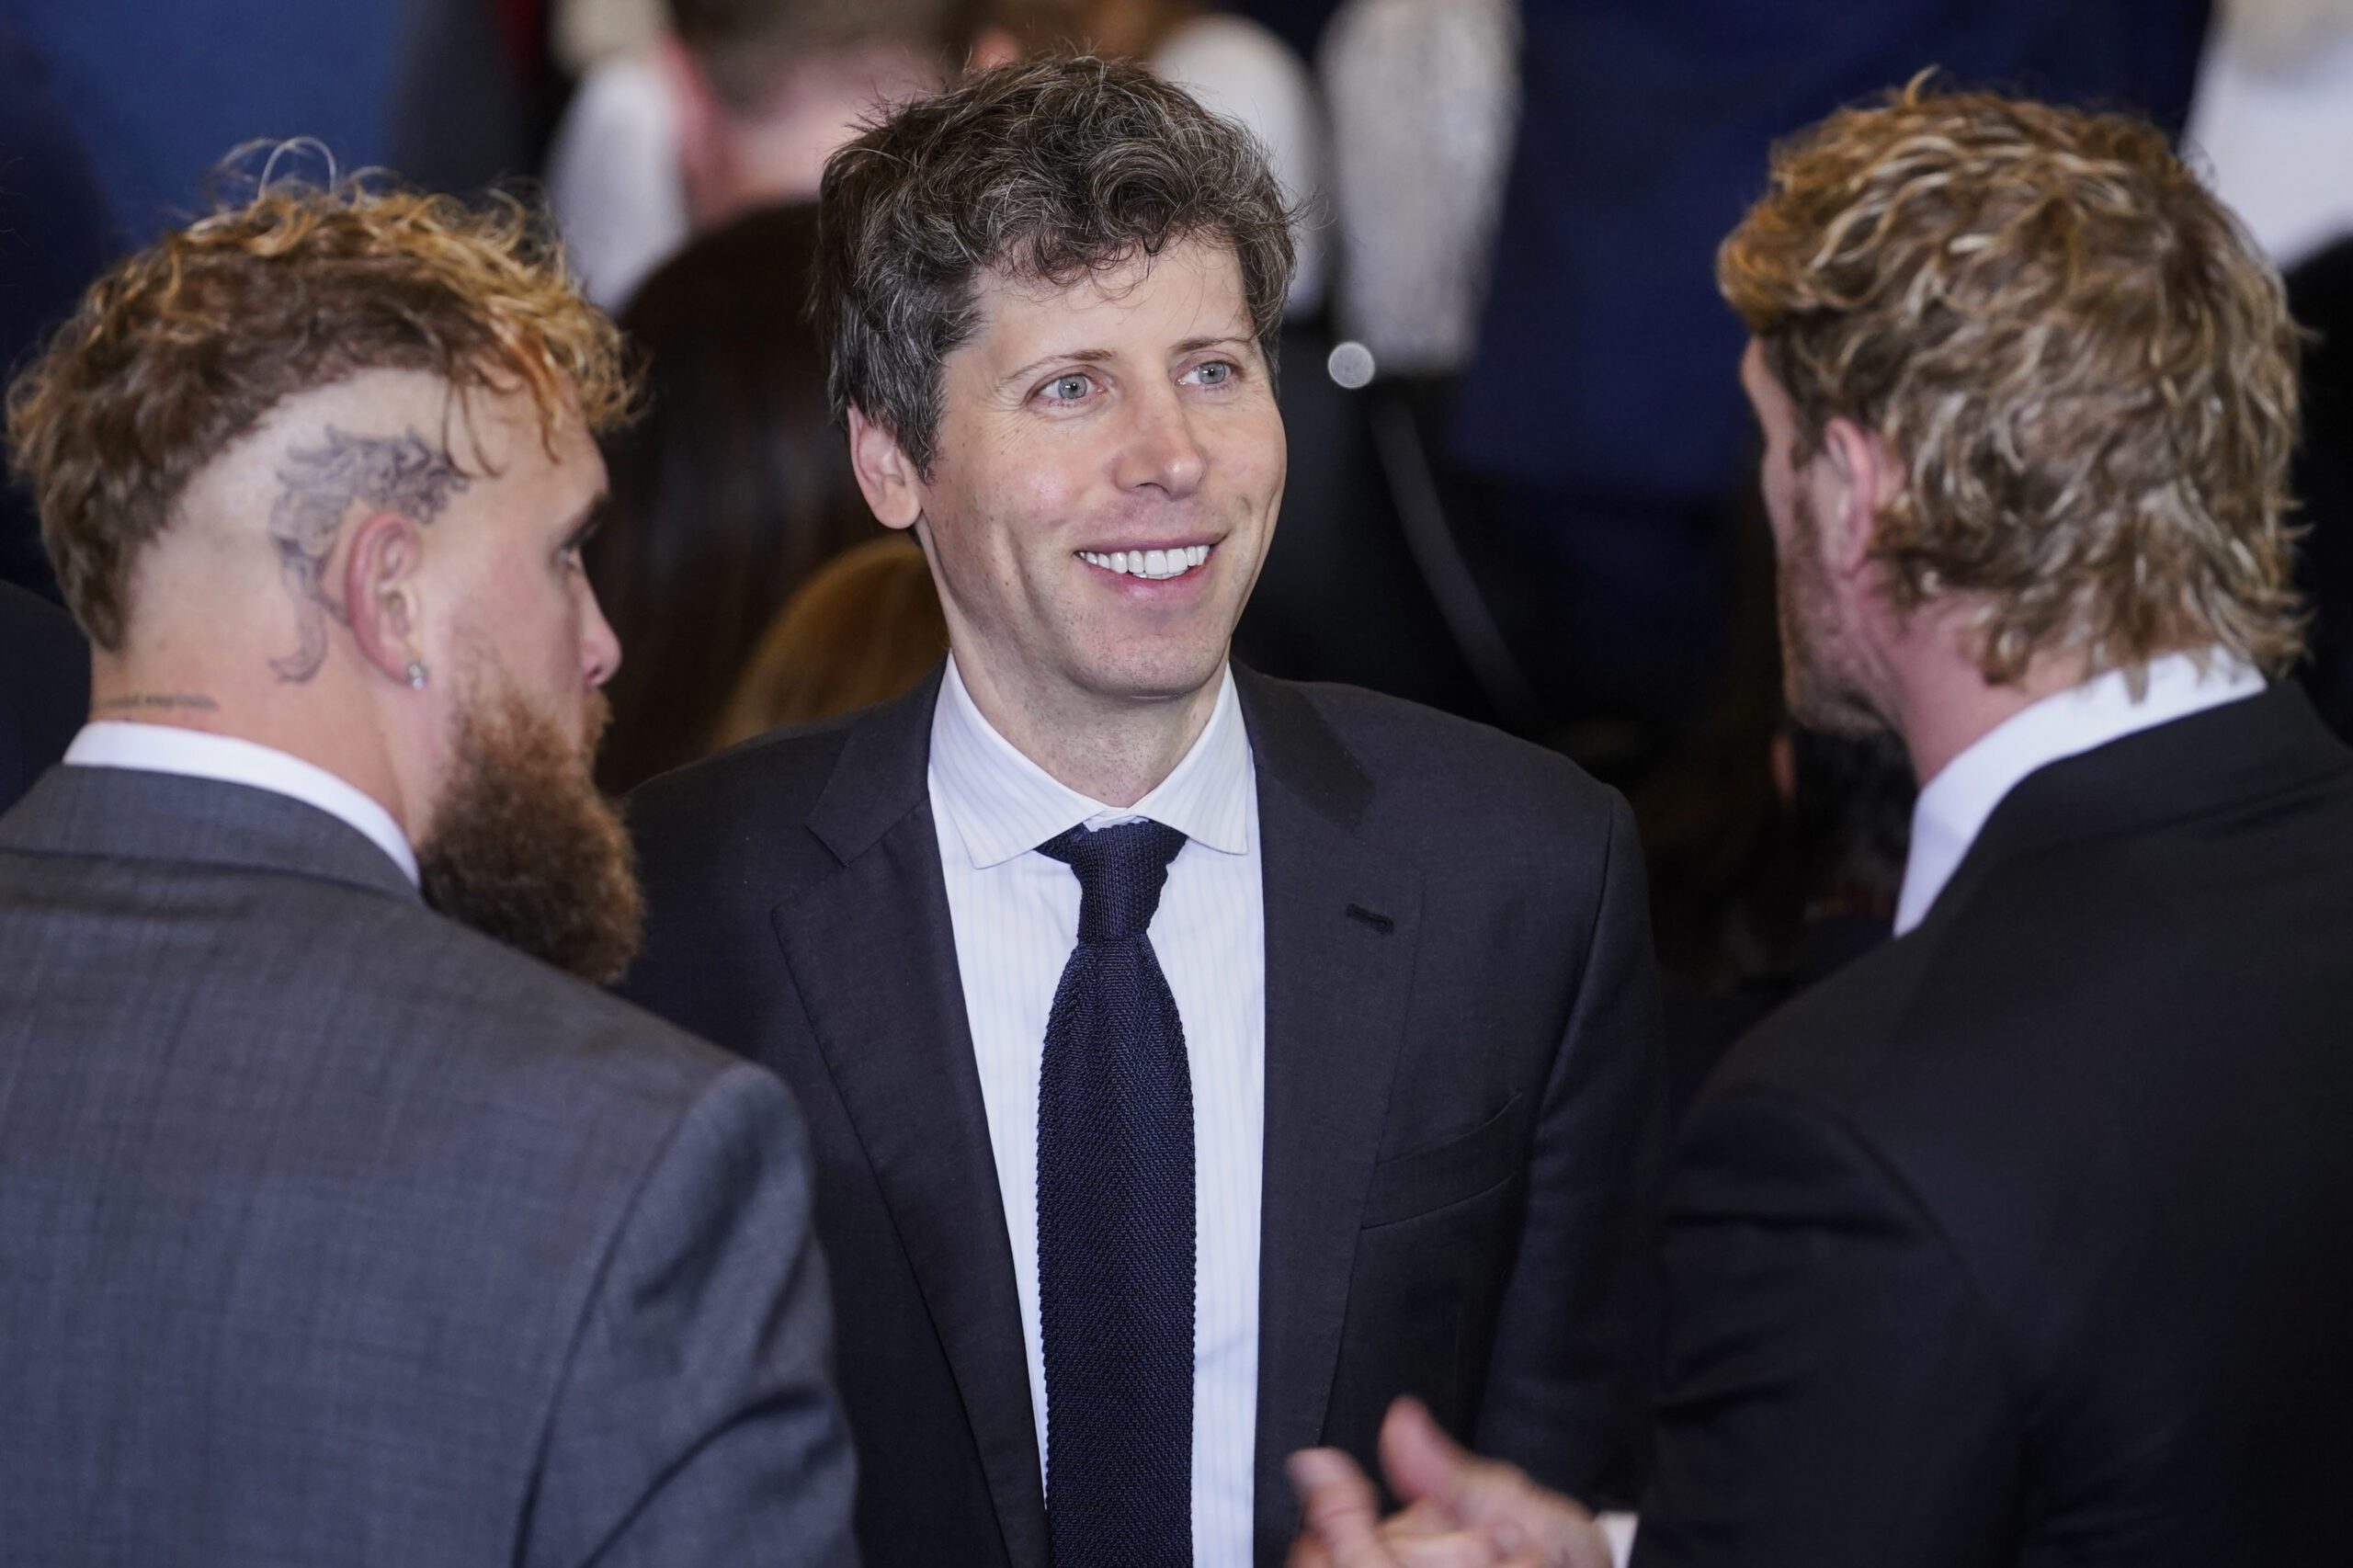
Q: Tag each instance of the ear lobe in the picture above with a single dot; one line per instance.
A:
(381, 593)
(893, 489)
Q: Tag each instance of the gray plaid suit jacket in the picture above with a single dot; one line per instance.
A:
(334, 1233)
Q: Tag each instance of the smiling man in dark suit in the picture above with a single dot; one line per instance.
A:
(1195, 1062)
(2022, 1241)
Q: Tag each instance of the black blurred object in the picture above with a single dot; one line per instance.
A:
(1776, 855)
(55, 236)
(733, 487)
(1341, 597)
(44, 688)
(2320, 294)
(1602, 406)
(1823, 894)
(465, 110)
(1300, 22)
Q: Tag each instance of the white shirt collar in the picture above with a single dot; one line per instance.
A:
(1953, 806)
(167, 748)
(1000, 804)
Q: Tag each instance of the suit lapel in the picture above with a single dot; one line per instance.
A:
(874, 956)
(1343, 927)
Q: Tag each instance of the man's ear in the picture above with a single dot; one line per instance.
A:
(893, 489)
(1858, 476)
(382, 595)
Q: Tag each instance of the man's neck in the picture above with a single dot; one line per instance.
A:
(1944, 704)
(1116, 750)
(310, 725)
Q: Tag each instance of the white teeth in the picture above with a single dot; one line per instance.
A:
(1153, 565)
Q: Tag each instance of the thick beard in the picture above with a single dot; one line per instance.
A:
(526, 851)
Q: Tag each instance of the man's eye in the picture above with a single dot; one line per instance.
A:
(1068, 388)
(1216, 373)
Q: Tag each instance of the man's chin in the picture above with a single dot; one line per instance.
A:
(1163, 673)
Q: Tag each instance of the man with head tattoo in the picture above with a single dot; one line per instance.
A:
(331, 1228)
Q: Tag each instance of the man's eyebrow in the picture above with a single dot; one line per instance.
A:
(1194, 345)
(587, 520)
(1074, 357)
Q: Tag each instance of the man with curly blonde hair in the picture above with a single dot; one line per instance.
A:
(334, 1230)
(2023, 1240)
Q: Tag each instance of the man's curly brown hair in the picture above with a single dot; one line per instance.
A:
(185, 346)
(2087, 368)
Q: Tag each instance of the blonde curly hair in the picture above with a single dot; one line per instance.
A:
(2087, 368)
(185, 346)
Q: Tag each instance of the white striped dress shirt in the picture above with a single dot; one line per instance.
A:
(1016, 918)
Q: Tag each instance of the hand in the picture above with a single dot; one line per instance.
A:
(1463, 1511)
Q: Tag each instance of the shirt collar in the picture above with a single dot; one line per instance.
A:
(1954, 805)
(198, 754)
(1001, 804)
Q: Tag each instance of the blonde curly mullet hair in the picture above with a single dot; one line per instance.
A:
(184, 347)
(2087, 369)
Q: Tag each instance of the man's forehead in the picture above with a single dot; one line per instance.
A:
(1192, 289)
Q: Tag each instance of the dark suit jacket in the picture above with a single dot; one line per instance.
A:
(1462, 1094)
(334, 1233)
(44, 688)
(2029, 1239)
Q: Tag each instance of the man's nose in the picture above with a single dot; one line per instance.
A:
(600, 645)
(1162, 450)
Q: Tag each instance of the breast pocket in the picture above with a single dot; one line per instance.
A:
(1422, 1180)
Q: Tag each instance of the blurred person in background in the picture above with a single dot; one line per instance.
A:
(735, 105)
(865, 629)
(1235, 66)
(2272, 120)
(2320, 294)
(1595, 424)
(342, 1220)
(2021, 1240)
(1424, 96)
(727, 493)
(2274, 123)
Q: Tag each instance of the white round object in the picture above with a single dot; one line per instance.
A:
(1350, 365)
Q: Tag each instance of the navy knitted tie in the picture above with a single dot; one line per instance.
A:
(1115, 1221)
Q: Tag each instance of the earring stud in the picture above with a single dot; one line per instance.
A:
(416, 675)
